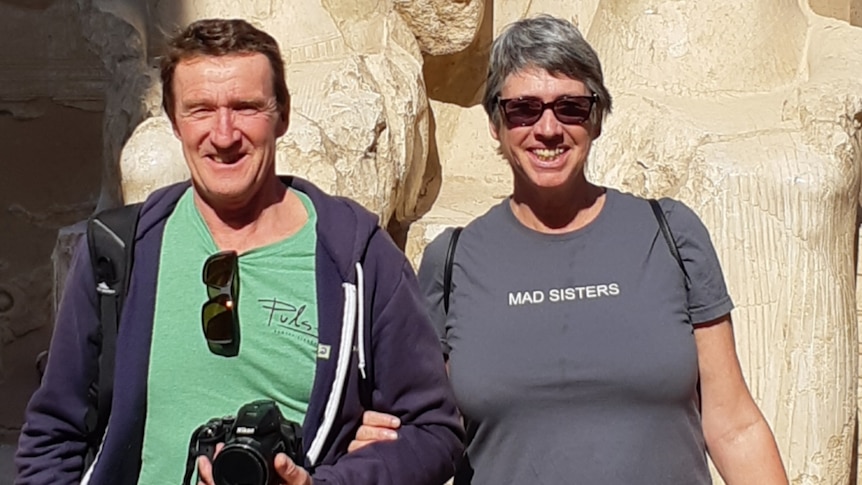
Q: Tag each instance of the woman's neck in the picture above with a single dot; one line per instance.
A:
(557, 213)
(699, 49)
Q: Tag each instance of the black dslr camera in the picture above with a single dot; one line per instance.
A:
(251, 440)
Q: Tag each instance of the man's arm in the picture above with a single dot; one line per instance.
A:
(52, 444)
(410, 384)
(383, 427)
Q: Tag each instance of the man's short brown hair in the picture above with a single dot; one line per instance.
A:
(221, 37)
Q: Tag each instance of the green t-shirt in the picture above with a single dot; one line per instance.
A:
(187, 384)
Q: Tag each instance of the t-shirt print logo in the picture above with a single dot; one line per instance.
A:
(567, 294)
(284, 316)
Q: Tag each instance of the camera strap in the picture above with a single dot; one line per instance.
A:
(194, 453)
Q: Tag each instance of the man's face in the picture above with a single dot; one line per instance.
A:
(228, 121)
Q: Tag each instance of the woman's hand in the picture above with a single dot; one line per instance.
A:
(375, 427)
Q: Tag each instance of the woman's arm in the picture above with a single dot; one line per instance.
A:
(738, 438)
(375, 427)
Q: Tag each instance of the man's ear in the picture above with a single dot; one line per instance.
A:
(174, 128)
(284, 118)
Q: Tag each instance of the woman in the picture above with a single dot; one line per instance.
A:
(578, 349)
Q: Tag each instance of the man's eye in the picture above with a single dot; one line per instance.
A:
(247, 109)
(200, 110)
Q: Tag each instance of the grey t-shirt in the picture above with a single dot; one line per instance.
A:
(572, 356)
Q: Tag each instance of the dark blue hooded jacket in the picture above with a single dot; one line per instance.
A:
(384, 357)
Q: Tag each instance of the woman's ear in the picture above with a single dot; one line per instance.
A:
(495, 134)
(595, 126)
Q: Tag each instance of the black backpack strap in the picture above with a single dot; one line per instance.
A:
(671, 244)
(668, 237)
(111, 238)
(447, 268)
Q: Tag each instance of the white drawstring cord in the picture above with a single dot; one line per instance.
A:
(360, 317)
(344, 353)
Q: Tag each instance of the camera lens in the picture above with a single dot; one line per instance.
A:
(238, 464)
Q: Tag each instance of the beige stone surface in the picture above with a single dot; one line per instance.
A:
(847, 10)
(442, 26)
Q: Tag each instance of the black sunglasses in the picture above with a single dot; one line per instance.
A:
(219, 315)
(526, 111)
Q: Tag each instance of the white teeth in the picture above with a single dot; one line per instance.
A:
(547, 153)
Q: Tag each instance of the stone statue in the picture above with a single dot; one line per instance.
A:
(117, 31)
(759, 133)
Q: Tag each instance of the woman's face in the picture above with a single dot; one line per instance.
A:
(548, 154)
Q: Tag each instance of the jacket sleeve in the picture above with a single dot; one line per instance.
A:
(410, 382)
(52, 443)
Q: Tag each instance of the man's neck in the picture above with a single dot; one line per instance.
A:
(271, 215)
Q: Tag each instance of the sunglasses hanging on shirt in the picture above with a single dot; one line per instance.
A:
(219, 315)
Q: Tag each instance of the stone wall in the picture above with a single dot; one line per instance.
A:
(51, 104)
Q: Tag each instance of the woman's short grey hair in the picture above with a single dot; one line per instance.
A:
(549, 43)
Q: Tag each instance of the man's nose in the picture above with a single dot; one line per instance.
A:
(225, 132)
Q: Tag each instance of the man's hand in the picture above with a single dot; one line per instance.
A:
(205, 468)
(290, 473)
(375, 427)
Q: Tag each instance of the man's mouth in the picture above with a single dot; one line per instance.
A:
(226, 159)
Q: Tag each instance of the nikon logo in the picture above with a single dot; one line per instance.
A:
(244, 430)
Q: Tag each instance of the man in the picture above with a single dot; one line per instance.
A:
(328, 308)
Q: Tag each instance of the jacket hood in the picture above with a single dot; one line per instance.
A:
(344, 227)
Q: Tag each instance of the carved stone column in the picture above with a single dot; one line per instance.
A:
(759, 133)
(117, 32)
